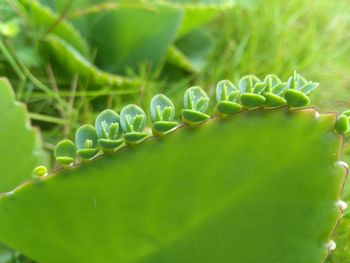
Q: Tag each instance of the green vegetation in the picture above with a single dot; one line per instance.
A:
(70, 60)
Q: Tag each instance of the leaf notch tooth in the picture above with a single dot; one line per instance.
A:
(331, 246)
(342, 205)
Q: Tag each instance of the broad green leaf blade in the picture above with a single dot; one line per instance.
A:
(241, 189)
(129, 36)
(20, 147)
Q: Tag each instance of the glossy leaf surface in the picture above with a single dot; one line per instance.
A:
(20, 143)
(242, 189)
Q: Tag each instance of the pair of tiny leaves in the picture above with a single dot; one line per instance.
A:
(298, 89)
(343, 123)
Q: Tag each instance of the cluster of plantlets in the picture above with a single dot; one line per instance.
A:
(112, 131)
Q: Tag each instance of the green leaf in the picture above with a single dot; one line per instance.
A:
(195, 95)
(39, 171)
(86, 141)
(252, 100)
(243, 189)
(271, 81)
(72, 61)
(197, 15)
(196, 101)
(296, 98)
(273, 100)
(309, 87)
(133, 123)
(20, 143)
(127, 36)
(163, 103)
(44, 20)
(196, 46)
(342, 125)
(104, 122)
(65, 152)
(247, 83)
(225, 91)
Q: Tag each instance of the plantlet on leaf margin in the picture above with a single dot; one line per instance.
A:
(196, 102)
(65, 152)
(251, 91)
(86, 141)
(274, 91)
(39, 171)
(133, 122)
(298, 90)
(227, 95)
(162, 114)
(108, 130)
(343, 122)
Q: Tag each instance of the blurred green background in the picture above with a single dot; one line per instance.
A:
(69, 59)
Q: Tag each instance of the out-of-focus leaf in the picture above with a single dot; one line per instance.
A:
(128, 36)
(65, 55)
(196, 46)
(176, 57)
(48, 22)
(197, 16)
(20, 150)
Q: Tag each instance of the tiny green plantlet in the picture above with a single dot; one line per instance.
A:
(39, 171)
(298, 90)
(162, 114)
(86, 142)
(251, 91)
(65, 152)
(274, 91)
(343, 122)
(227, 95)
(108, 130)
(196, 102)
(241, 188)
(133, 122)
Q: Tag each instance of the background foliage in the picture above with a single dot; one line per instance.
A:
(68, 60)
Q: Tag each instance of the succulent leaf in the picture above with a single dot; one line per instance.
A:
(252, 100)
(279, 88)
(296, 98)
(103, 123)
(133, 123)
(273, 100)
(309, 87)
(271, 81)
(226, 91)
(159, 104)
(213, 189)
(162, 114)
(226, 96)
(39, 171)
(247, 83)
(107, 126)
(65, 152)
(196, 101)
(343, 122)
(259, 88)
(86, 141)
